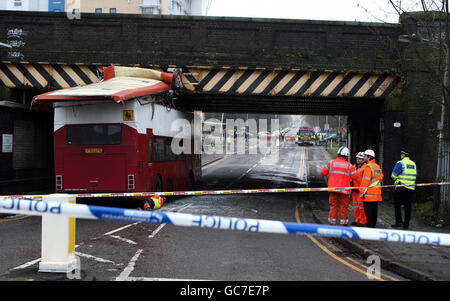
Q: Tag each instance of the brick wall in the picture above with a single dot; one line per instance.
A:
(30, 166)
(186, 40)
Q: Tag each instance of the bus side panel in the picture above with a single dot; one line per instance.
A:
(59, 137)
(144, 177)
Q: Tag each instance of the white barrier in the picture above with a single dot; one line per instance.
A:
(58, 209)
(58, 238)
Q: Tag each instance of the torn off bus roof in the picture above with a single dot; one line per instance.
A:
(120, 84)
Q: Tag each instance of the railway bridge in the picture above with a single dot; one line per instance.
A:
(229, 65)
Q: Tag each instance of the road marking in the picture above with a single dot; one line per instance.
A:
(302, 173)
(207, 165)
(130, 267)
(120, 229)
(177, 209)
(123, 239)
(243, 175)
(16, 218)
(27, 264)
(95, 258)
(382, 274)
(33, 262)
(321, 246)
(181, 208)
(326, 250)
(156, 231)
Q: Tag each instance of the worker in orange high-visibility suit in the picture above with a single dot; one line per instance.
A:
(339, 173)
(358, 204)
(370, 191)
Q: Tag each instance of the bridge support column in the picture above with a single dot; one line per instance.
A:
(365, 133)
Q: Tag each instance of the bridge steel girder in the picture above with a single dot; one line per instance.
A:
(226, 89)
(282, 91)
(47, 76)
(290, 82)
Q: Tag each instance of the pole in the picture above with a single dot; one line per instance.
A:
(445, 83)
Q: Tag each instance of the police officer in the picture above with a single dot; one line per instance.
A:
(404, 173)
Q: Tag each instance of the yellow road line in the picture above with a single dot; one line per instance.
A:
(13, 219)
(326, 250)
(362, 265)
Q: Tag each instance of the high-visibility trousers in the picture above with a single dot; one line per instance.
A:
(358, 209)
(342, 201)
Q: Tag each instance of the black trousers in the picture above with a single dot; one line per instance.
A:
(403, 196)
(371, 211)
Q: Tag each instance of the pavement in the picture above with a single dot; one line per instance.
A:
(412, 261)
(210, 158)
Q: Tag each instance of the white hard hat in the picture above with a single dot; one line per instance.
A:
(369, 152)
(360, 155)
(343, 151)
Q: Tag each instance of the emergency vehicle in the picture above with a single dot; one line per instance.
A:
(116, 135)
(305, 136)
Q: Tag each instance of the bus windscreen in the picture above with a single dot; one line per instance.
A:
(306, 133)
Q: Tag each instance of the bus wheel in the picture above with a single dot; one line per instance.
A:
(158, 184)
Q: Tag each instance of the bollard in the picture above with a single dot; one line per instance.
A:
(58, 239)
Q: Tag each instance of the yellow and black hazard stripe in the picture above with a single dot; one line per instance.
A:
(47, 76)
(246, 81)
(291, 82)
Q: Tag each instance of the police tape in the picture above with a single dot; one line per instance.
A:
(216, 192)
(36, 207)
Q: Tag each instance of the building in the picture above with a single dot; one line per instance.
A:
(108, 6)
(24, 5)
(56, 5)
(152, 7)
(182, 7)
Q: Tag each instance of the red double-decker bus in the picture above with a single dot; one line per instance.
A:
(116, 135)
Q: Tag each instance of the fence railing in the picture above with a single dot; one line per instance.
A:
(445, 173)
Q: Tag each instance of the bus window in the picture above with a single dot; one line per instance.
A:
(158, 148)
(90, 134)
(150, 148)
(170, 156)
(178, 142)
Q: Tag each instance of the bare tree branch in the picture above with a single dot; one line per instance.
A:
(397, 9)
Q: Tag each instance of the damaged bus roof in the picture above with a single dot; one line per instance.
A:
(120, 84)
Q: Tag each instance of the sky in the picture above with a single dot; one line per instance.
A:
(333, 10)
